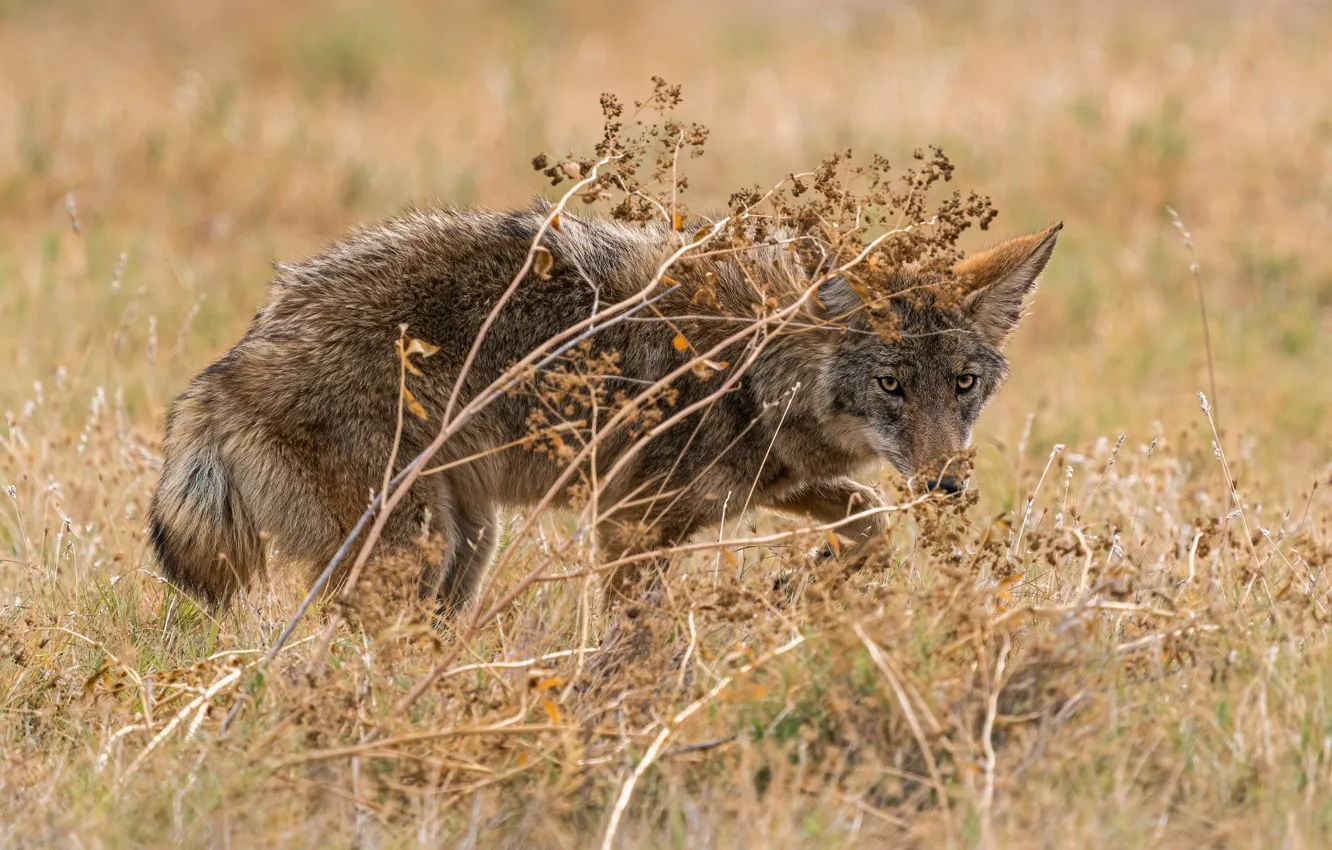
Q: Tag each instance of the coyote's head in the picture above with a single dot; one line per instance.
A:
(913, 401)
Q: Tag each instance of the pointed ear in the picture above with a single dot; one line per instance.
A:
(999, 278)
(841, 303)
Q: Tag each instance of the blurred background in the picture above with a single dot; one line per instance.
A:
(156, 157)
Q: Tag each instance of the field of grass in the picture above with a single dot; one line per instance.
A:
(1121, 638)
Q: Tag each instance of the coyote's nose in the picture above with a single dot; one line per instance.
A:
(948, 484)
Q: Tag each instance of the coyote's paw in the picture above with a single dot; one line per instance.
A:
(791, 581)
(787, 584)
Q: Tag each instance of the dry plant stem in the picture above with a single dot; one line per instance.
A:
(199, 703)
(721, 532)
(689, 652)
(881, 661)
(1114, 454)
(759, 474)
(653, 750)
(1021, 464)
(720, 543)
(1088, 560)
(675, 183)
(1196, 270)
(1026, 514)
(514, 665)
(584, 635)
(402, 400)
(522, 441)
(1193, 558)
(1233, 495)
(371, 744)
(987, 741)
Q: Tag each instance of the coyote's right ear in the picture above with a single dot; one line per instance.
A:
(998, 279)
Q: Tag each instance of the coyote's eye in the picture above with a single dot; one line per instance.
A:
(965, 382)
(890, 385)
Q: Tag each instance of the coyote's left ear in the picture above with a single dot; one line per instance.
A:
(998, 279)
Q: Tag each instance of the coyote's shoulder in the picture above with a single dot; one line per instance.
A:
(732, 378)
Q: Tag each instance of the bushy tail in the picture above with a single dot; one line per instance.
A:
(206, 540)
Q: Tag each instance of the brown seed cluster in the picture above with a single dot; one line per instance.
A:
(865, 219)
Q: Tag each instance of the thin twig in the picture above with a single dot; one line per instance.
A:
(987, 742)
(1196, 270)
(881, 661)
(653, 750)
(1026, 515)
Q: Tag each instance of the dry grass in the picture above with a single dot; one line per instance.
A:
(1109, 647)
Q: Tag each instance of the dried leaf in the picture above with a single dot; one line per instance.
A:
(1002, 591)
(99, 673)
(730, 558)
(413, 405)
(414, 346)
(834, 543)
(542, 263)
(552, 711)
(421, 347)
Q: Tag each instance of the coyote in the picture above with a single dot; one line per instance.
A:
(288, 435)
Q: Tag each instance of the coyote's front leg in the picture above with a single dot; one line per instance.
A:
(827, 502)
(830, 501)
